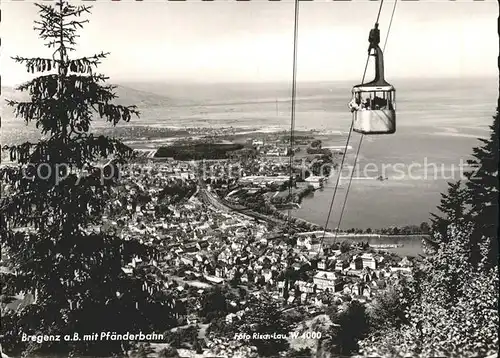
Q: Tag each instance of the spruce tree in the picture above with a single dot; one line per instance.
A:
(51, 216)
(476, 201)
(452, 208)
(482, 187)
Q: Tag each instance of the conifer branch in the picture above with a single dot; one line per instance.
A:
(51, 220)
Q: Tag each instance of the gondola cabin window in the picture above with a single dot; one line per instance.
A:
(376, 100)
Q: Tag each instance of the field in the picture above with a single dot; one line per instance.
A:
(197, 151)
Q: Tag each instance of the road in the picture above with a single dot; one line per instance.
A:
(211, 199)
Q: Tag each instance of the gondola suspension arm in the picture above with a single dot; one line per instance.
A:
(362, 136)
(374, 40)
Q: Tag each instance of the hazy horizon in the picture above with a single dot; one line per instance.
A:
(252, 42)
(126, 83)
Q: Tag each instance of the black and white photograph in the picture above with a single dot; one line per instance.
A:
(253, 179)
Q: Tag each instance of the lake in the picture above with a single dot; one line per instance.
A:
(438, 123)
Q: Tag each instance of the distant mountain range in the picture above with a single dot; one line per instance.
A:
(150, 94)
(126, 96)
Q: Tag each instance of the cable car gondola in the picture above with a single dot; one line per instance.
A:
(373, 104)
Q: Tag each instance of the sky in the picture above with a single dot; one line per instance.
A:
(253, 41)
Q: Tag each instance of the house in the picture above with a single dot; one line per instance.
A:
(257, 267)
(367, 292)
(265, 261)
(208, 269)
(322, 265)
(281, 287)
(341, 264)
(318, 301)
(326, 280)
(322, 300)
(187, 260)
(192, 319)
(231, 273)
(307, 287)
(379, 284)
(347, 290)
(236, 246)
(401, 269)
(405, 262)
(301, 241)
(336, 252)
(219, 271)
(224, 257)
(231, 317)
(128, 270)
(267, 275)
(213, 279)
(360, 298)
(244, 278)
(356, 263)
(313, 244)
(357, 289)
(202, 245)
(368, 276)
(303, 297)
(282, 245)
(369, 261)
